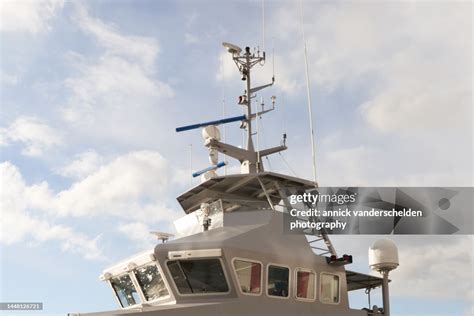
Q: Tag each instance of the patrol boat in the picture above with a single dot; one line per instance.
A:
(231, 255)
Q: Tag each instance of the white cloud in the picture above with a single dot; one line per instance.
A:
(407, 66)
(3, 137)
(138, 232)
(227, 67)
(17, 200)
(367, 166)
(469, 311)
(35, 135)
(31, 16)
(111, 84)
(84, 165)
(423, 264)
(9, 79)
(143, 49)
(133, 187)
(348, 167)
(114, 95)
(413, 61)
(190, 38)
(422, 95)
(190, 20)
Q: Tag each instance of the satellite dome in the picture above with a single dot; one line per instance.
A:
(208, 175)
(211, 132)
(383, 255)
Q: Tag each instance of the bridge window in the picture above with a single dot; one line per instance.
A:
(151, 282)
(125, 290)
(329, 288)
(198, 276)
(278, 280)
(305, 284)
(249, 276)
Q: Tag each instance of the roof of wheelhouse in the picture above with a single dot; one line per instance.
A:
(241, 188)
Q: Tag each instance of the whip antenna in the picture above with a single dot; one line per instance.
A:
(263, 25)
(273, 58)
(308, 93)
(223, 109)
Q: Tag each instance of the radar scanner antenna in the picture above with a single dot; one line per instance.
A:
(162, 236)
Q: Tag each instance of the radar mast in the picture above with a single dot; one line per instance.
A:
(249, 158)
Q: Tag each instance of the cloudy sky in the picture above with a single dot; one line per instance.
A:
(91, 93)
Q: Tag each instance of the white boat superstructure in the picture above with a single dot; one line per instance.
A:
(232, 255)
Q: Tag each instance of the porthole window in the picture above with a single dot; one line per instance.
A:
(249, 276)
(305, 284)
(277, 281)
(329, 288)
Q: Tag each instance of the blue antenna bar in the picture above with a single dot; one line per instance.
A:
(220, 164)
(223, 121)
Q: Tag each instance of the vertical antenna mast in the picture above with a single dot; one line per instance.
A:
(263, 25)
(223, 109)
(308, 93)
(224, 131)
(250, 160)
(246, 76)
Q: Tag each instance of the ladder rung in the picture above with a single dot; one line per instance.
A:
(318, 248)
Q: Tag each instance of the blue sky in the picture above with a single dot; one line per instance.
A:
(91, 93)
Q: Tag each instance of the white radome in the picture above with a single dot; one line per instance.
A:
(208, 175)
(211, 132)
(383, 255)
